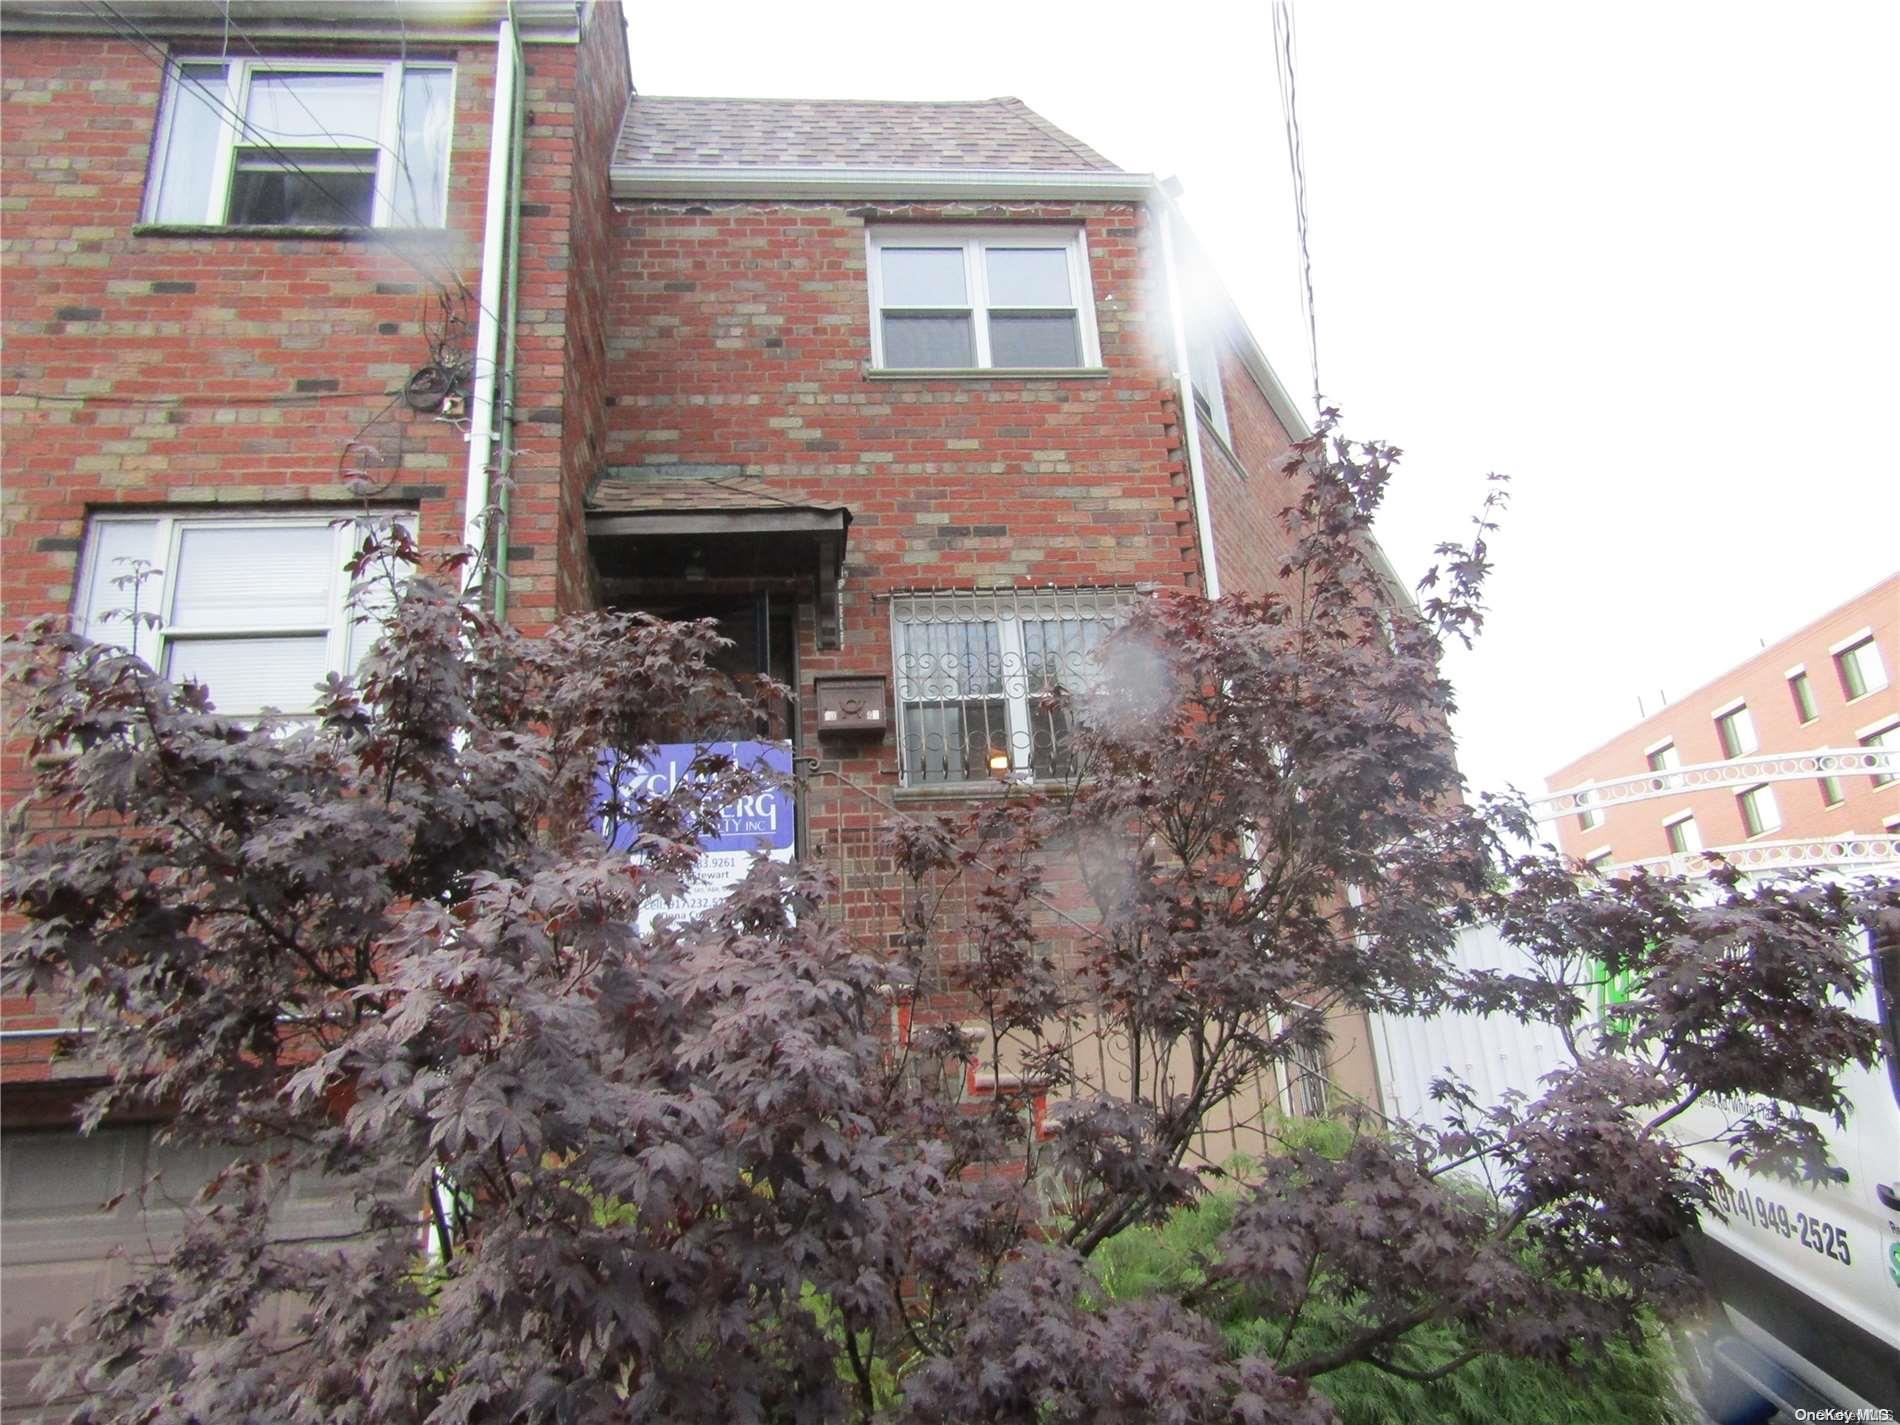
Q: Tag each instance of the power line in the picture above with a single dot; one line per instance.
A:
(173, 402)
(1284, 47)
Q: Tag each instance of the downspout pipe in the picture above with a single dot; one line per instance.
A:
(506, 422)
(481, 432)
(1184, 385)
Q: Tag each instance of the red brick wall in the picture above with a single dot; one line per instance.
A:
(147, 369)
(1245, 488)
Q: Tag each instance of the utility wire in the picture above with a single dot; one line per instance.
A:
(175, 402)
(1284, 49)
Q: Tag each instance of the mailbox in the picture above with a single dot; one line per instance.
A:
(854, 706)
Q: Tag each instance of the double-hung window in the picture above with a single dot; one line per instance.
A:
(976, 674)
(973, 298)
(1803, 694)
(296, 143)
(255, 607)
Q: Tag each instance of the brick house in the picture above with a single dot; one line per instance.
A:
(1790, 757)
(889, 389)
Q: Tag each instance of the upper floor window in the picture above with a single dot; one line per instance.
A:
(1759, 812)
(1589, 814)
(1803, 694)
(1682, 835)
(1882, 737)
(255, 607)
(1663, 757)
(1860, 669)
(973, 298)
(1735, 730)
(303, 143)
(974, 671)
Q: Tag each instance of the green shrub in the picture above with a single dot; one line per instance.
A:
(1625, 1386)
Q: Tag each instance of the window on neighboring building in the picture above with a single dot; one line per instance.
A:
(1589, 815)
(255, 607)
(974, 673)
(1735, 730)
(1803, 695)
(1663, 757)
(1831, 794)
(1860, 669)
(295, 143)
(1884, 737)
(955, 298)
(1682, 834)
(1598, 860)
(1759, 813)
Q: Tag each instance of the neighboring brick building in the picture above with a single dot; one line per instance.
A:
(888, 388)
(1737, 757)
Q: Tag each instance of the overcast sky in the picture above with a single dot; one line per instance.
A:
(1641, 257)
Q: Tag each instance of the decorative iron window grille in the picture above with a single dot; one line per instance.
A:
(977, 671)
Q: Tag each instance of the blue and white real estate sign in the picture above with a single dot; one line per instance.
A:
(762, 822)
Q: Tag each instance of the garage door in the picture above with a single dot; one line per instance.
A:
(59, 1250)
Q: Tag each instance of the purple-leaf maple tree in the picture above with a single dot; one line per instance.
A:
(703, 1171)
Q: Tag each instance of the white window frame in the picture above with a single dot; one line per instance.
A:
(973, 240)
(1883, 734)
(1204, 356)
(1747, 742)
(1691, 834)
(235, 96)
(1870, 671)
(1801, 693)
(1589, 814)
(1760, 814)
(1108, 606)
(1671, 759)
(346, 639)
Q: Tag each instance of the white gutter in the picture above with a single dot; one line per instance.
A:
(481, 411)
(884, 184)
(1184, 387)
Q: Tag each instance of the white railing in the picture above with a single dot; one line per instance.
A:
(1739, 772)
(1834, 853)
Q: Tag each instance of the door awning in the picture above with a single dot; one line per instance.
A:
(676, 535)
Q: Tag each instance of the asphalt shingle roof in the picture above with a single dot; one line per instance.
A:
(666, 132)
(656, 493)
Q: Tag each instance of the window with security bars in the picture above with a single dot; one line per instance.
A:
(977, 674)
(1306, 1086)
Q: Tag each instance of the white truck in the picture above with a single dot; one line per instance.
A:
(1809, 1275)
